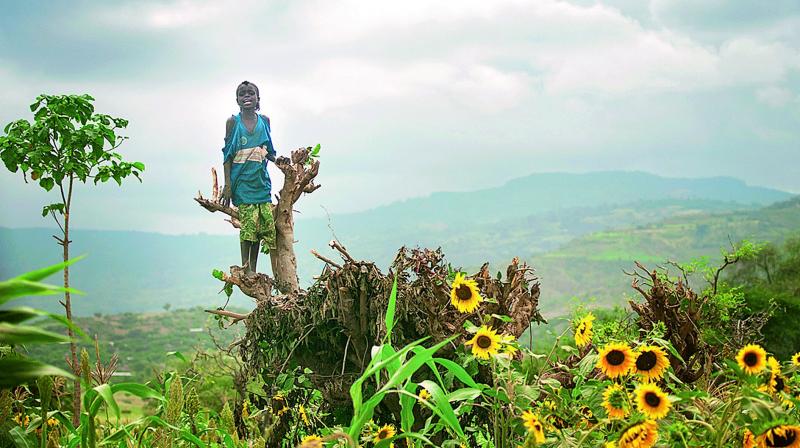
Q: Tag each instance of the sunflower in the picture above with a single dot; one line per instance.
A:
(464, 294)
(642, 435)
(777, 383)
(652, 401)
(311, 442)
(534, 426)
(752, 359)
(507, 341)
(583, 331)
(386, 432)
(651, 362)
(787, 436)
(796, 359)
(614, 402)
(279, 405)
(748, 439)
(616, 359)
(303, 415)
(485, 342)
(424, 394)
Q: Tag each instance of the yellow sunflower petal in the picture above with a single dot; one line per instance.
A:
(752, 359)
(616, 359)
(787, 436)
(485, 343)
(464, 294)
(652, 401)
(642, 435)
(651, 363)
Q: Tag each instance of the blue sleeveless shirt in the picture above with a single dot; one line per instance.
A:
(250, 183)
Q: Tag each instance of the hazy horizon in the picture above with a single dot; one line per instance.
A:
(228, 230)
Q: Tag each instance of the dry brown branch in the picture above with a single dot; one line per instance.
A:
(236, 316)
(326, 259)
(342, 250)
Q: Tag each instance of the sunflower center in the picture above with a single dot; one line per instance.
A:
(615, 357)
(779, 384)
(646, 361)
(383, 434)
(463, 292)
(582, 329)
(787, 439)
(751, 359)
(484, 342)
(652, 399)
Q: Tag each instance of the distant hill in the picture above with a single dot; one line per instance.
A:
(591, 266)
(141, 272)
(530, 214)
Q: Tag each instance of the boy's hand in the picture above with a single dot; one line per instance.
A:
(225, 199)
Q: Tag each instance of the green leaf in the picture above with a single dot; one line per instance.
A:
(389, 320)
(14, 288)
(316, 149)
(459, 372)
(178, 355)
(189, 437)
(47, 183)
(13, 334)
(23, 313)
(105, 392)
(441, 406)
(407, 407)
(20, 371)
(139, 166)
(139, 390)
(217, 274)
(41, 274)
(20, 439)
(464, 394)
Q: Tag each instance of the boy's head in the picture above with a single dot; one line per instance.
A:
(247, 96)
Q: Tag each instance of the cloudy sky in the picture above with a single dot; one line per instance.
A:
(411, 97)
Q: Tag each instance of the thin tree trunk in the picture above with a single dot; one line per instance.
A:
(76, 398)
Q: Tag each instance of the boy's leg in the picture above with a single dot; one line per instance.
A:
(253, 259)
(248, 248)
(248, 239)
(245, 248)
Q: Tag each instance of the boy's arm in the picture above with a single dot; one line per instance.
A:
(270, 148)
(226, 190)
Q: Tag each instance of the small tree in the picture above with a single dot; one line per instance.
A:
(67, 141)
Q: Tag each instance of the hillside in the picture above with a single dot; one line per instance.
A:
(142, 272)
(591, 266)
(142, 340)
(531, 214)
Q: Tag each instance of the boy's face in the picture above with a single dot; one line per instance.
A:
(246, 96)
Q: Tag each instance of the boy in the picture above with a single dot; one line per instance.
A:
(248, 147)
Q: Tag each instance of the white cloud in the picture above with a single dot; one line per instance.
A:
(164, 15)
(342, 83)
(775, 96)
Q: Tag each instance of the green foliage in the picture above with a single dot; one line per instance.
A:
(66, 141)
(16, 369)
(314, 154)
(769, 282)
